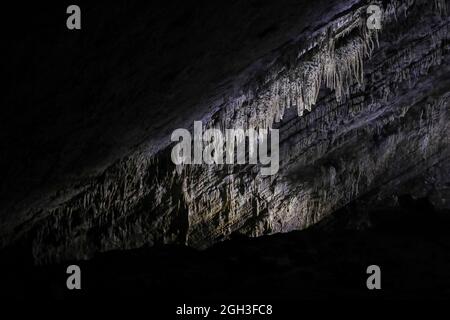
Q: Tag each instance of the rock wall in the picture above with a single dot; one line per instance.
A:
(358, 112)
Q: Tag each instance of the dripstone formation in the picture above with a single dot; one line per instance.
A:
(360, 112)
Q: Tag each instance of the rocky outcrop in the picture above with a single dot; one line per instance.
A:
(358, 111)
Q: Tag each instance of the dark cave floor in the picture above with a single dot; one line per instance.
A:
(410, 243)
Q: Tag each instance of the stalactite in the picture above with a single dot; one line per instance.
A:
(299, 87)
(440, 6)
(334, 59)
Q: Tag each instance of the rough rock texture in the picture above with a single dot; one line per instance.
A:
(409, 240)
(359, 112)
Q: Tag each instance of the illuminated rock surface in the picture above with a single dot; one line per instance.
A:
(88, 166)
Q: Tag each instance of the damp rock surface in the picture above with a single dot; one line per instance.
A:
(88, 169)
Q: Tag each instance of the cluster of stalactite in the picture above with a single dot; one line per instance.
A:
(142, 200)
(334, 59)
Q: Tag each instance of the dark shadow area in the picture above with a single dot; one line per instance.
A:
(410, 243)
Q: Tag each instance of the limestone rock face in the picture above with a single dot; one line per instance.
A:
(360, 112)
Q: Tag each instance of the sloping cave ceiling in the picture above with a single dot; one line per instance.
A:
(87, 117)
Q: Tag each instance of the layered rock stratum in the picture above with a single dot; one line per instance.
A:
(360, 112)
